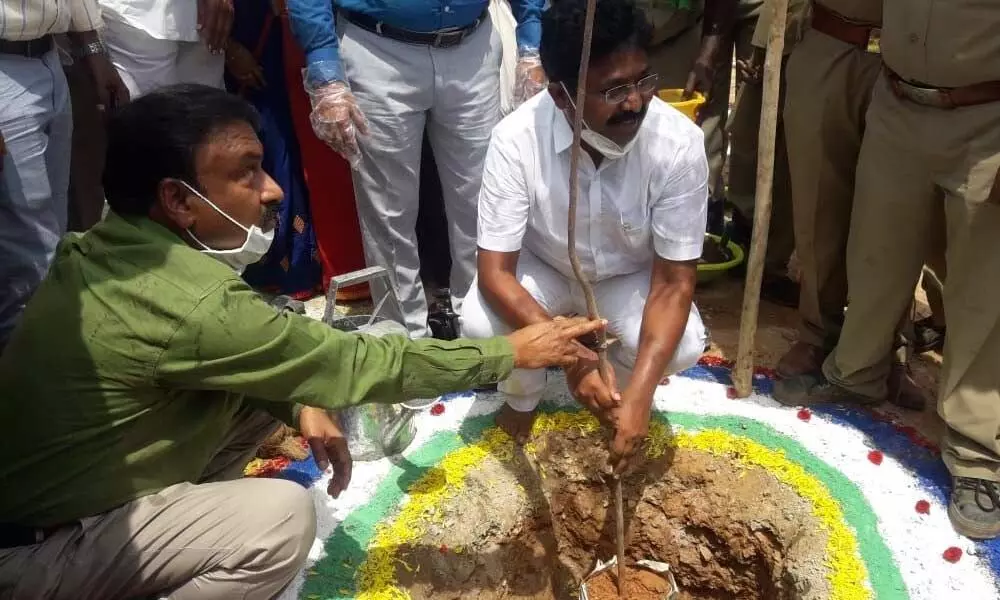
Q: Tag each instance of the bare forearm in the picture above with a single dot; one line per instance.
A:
(508, 298)
(663, 322)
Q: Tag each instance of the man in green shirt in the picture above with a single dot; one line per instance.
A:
(144, 373)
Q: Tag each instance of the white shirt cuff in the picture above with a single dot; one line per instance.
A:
(679, 252)
(498, 243)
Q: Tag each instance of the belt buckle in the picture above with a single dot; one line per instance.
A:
(874, 45)
(925, 96)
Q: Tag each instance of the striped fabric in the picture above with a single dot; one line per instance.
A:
(32, 19)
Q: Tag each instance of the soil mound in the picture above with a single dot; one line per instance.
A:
(534, 526)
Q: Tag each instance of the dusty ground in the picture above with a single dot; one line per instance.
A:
(720, 303)
(533, 528)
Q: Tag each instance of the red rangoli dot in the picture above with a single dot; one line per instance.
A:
(953, 554)
(923, 507)
(805, 414)
(875, 456)
(437, 409)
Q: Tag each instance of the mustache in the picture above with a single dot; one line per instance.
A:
(269, 217)
(627, 117)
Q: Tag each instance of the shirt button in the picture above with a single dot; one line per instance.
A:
(914, 38)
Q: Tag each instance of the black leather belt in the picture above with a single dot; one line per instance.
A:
(444, 38)
(36, 48)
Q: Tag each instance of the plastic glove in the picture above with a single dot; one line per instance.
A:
(529, 78)
(337, 120)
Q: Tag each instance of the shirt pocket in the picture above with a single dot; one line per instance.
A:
(626, 227)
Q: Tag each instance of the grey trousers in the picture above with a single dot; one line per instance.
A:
(403, 89)
(37, 126)
(218, 539)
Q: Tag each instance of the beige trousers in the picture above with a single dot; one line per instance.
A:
(829, 86)
(913, 157)
(245, 538)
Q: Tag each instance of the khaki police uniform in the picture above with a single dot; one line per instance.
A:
(829, 83)
(923, 146)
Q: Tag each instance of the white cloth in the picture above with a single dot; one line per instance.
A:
(506, 27)
(36, 18)
(652, 200)
(174, 20)
(145, 63)
(620, 300)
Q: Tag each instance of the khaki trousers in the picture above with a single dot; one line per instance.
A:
(829, 85)
(913, 157)
(245, 538)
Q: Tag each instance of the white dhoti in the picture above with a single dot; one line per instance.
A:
(145, 62)
(621, 300)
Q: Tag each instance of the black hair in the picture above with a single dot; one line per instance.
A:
(618, 25)
(156, 136)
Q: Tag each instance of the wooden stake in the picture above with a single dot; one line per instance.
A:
(588, 290)
(743, 373)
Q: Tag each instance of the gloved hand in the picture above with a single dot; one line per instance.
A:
(337, 120)
(529, 78)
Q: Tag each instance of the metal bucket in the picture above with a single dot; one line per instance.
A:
(377, 430)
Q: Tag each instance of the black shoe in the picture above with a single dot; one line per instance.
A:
(927, 336)
(813, 388)
(974, 509)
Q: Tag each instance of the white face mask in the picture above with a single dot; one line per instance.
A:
(609, 149)
(254, 248)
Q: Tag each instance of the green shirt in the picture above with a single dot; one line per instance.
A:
(135, 353)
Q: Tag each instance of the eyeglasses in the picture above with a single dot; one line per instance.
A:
(618, 94)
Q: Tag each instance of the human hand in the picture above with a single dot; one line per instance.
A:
(215, 20)
(336, 119)
(328, 445)
(588, 387)
(752, 69)
(111, 90)
(631, 422)
(552, 343)
(243, 67)
(703, 70)
(529, 77)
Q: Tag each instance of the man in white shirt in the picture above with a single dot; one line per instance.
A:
(36, 127)
(155, 43)
(639, 227)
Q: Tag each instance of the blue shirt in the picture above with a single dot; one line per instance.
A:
(313, 24)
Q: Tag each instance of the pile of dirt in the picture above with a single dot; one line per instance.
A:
(533, 528)
(637, 584)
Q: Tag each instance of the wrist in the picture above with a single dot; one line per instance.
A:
(90, 49)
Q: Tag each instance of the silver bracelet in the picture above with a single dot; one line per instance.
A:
(91, 48)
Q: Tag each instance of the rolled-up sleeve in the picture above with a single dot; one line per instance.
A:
(680, 212)
(233, 341)
(85, 15)
(313, 23)
(503, 197)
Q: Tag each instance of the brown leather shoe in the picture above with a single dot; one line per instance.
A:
(801, 359)
(903, 391)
